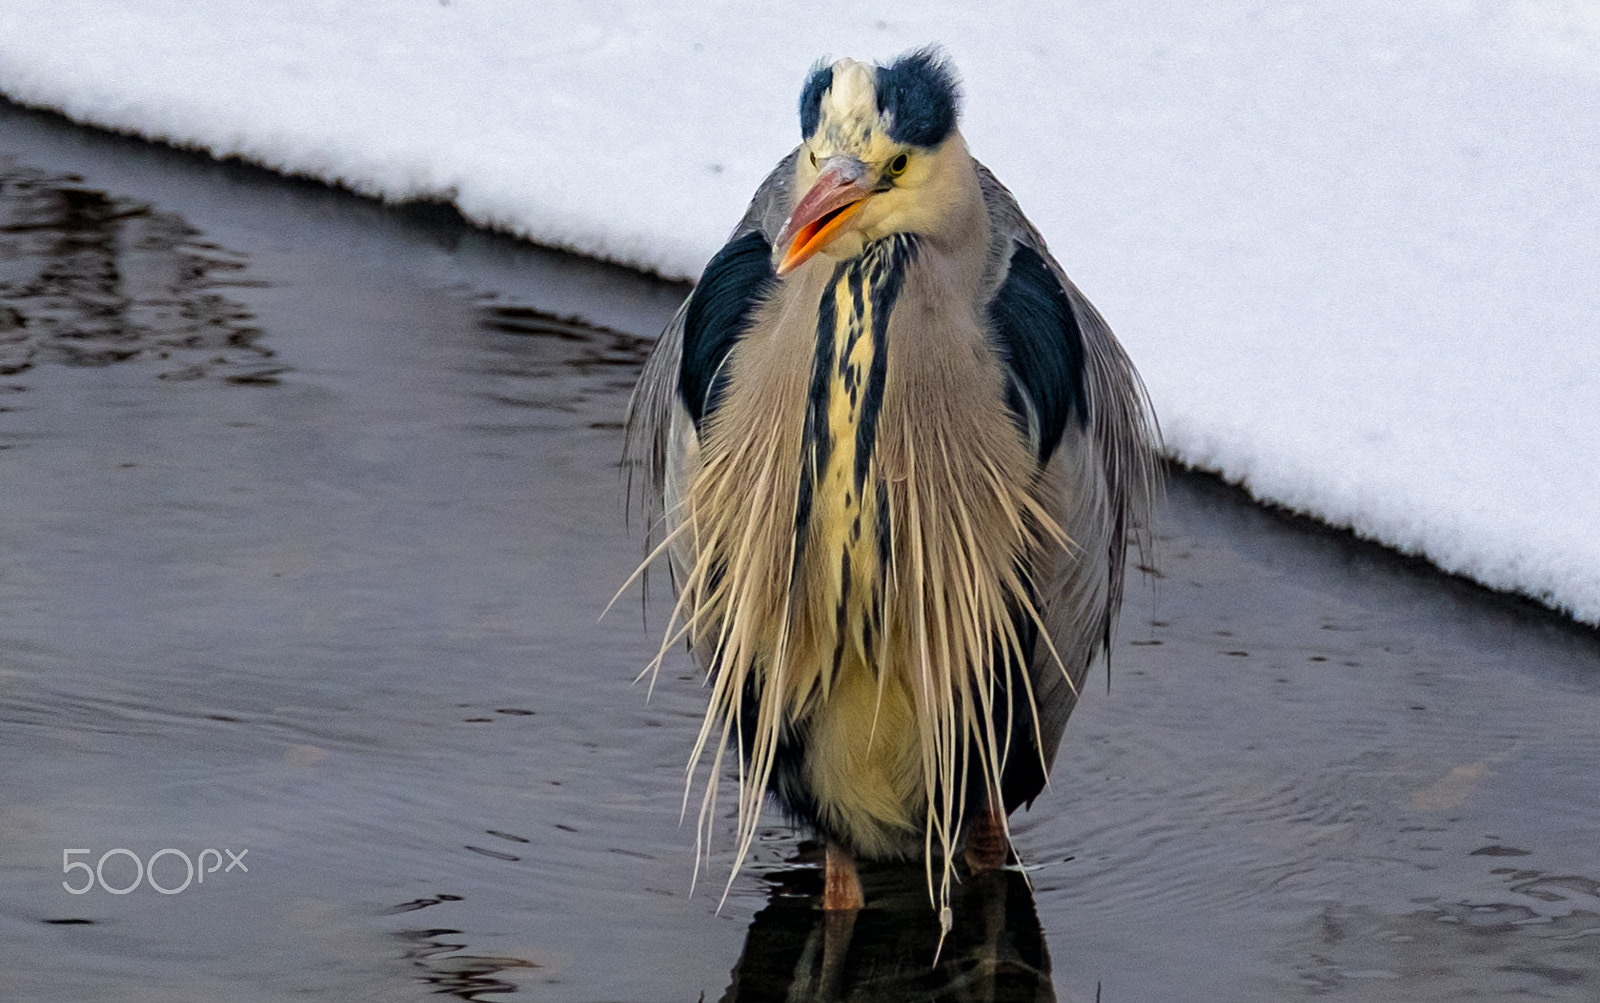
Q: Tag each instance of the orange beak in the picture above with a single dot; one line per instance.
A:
(825, 211)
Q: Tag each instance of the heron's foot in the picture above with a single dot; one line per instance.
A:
(841, 888)
(987, 847)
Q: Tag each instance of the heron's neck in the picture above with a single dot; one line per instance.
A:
(841, 516)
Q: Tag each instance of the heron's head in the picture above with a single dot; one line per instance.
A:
(881, 155)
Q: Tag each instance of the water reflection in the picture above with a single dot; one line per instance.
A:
(890, 950)
(464, 976)
(576, 346)
(87, 279)
(795, 952)
(535, 360)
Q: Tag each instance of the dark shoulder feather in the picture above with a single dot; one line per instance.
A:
(1037, 333)
(718, 312)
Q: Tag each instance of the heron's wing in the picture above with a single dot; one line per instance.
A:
(658, 422)
(1084, 409)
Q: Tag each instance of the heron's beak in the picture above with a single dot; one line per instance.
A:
(837, 194)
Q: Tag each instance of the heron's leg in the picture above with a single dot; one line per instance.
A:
(841, 887)
(986, 847)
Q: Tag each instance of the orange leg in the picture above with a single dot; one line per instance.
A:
(987, 846)
(841, 888)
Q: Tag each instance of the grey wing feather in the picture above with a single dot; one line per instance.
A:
(1110, 478)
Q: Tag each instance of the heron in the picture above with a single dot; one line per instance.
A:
(894, 459)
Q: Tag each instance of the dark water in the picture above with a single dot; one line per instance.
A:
(308, 509)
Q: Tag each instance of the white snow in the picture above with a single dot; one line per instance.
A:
(1354, 247)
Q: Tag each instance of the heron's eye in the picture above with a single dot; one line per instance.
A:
(898, 165)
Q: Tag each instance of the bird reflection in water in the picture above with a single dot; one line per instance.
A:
(891, 949)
